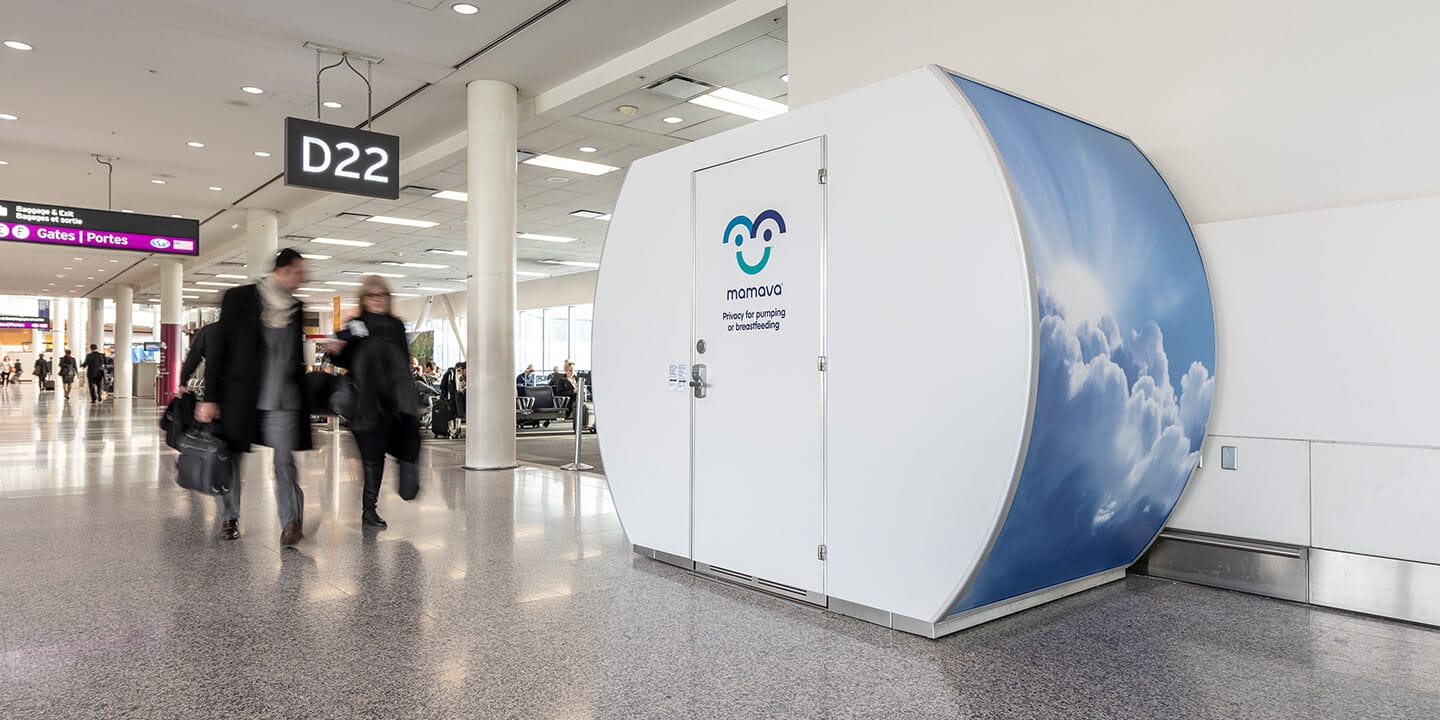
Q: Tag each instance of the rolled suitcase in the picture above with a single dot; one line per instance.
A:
(442, 418)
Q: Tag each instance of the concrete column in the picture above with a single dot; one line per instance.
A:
(490, 298)
(124, 332)
(78, 322)
(58, 318)
(262, 241)
(172, 352)
(96, 324)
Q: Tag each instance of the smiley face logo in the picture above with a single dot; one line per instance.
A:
(765, 227)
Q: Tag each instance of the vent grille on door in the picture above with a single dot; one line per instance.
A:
(769, 586)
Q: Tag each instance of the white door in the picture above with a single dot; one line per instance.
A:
(758, 431)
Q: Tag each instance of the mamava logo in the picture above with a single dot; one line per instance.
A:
(159, 243)
(742, 226)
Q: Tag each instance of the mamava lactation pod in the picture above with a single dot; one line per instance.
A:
(925, 353)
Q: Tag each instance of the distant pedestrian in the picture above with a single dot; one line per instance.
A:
(5, 373)
(95, 373)
(254, 380)
(68, 371)
(42, 371)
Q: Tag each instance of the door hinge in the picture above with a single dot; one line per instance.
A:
(822, 552)
(822, 175)
(823, 364)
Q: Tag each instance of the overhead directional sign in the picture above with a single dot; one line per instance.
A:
(24, 322)
(100, 229)
(341, 159)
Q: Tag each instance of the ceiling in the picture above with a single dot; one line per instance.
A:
(138, 80)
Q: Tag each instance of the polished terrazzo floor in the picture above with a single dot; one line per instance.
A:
(515, 595)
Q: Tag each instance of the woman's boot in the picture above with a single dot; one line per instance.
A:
(373, 471)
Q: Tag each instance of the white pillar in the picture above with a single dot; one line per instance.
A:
(97, 324)
(124, 330)
(78, 322)
(58, 338)
(490, 298)
(171, 315)
(262, 241)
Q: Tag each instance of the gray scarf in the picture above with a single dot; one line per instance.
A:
(277, 306)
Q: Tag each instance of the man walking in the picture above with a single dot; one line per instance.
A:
(94, 365)
(254, 373)
(42, 371)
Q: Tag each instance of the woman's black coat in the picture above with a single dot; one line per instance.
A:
(379, 364)
(234, 361)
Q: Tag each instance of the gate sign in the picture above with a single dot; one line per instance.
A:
(24, 322)
(341, 159)
(101, 229)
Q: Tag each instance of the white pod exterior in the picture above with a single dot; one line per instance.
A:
(935, 373)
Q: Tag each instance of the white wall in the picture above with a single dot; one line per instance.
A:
(1295, 137)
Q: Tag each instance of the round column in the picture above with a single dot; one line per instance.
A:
(78, 322)
(172, 351)
(96, 326)
(262, 241)
(58, 339)
(124, 333)
(490, 288)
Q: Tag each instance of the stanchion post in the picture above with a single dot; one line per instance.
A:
(579, 426)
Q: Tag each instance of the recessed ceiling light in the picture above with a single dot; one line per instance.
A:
(116, 261)
(332, 104)
(438, 251)
(434, 289)
(452, 195)
(426, 266)
(785, 77)
(591, 214)
(401, 221)
(157, 181)
(176, 216)
(340, 241)
(216, 284)
(17, 45)
(195, 144)
(742, 104)
(545, 238)
(261, 153)
(253, 90)
(674, 120)
(69, 268)
(231, 276)
(523, 273)
(588, 149)
(571, 263)
(557, 179)
(90, 277)
(216, 188)
(2, 162)
(126, 210)
(8, 116)
(465, 8)
(314, 289)
(583, 167)
(342, 282)
(309, 256)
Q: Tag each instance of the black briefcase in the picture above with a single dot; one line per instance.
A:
(204, 464)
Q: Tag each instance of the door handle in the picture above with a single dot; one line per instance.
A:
(697, 380)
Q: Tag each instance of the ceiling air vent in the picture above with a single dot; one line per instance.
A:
(680, 87)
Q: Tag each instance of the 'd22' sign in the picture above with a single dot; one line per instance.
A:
(341, 159)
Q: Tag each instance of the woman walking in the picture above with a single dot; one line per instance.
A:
(385, 417)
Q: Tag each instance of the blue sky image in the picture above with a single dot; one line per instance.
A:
(1126, 345)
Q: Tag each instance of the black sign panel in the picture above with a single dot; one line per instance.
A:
(44, 224)
(341, 159)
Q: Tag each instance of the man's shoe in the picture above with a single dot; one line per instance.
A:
(229, 529)
(373, 519)
(292, 534)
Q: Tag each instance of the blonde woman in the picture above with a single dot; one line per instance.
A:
(385, 417)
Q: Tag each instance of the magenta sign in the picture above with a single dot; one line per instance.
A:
(24, 322)
(100, 229)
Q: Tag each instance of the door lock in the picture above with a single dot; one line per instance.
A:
(697, 380)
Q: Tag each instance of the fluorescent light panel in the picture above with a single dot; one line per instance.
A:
(545, 238)
(310, 256)
(401, 221)
(439, 251)
(217, 284)
(340, 241)
(426, 266)
(571, 263)
(526, 273)
(232, 277)
(342, 282)
(591, 214)
(742, 104)
(381, 274)
(452, 195)
(578, 166)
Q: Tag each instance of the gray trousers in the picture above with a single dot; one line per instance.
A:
(278, 429)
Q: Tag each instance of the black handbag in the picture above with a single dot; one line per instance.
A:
(179, 416)
(204, 464)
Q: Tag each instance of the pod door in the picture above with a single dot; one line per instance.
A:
(757, 371)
